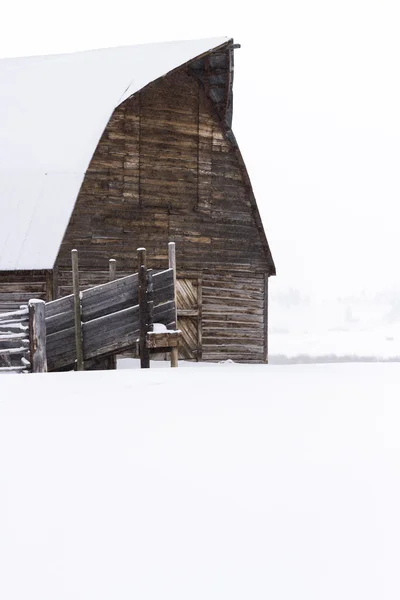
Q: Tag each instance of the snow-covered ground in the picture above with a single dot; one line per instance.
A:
(378, 344)
(226, 481)
(317, 329)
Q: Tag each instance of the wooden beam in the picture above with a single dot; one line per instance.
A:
(112, 269)
(174, 356)
(37, 336)
(163, 339)
(143, 309)
(77, 311)
(172, 265)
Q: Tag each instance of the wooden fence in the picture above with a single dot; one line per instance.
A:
(14, 341)
(93, 323)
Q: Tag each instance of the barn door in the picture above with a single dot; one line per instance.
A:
(188, 297)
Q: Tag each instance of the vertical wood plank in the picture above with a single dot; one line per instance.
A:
(77, 311)
(143, 309)
(49, 286)
(55, 283)
(37, 336)
(172, 265)
(204, 156)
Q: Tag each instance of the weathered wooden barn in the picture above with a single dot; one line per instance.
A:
(109, 150)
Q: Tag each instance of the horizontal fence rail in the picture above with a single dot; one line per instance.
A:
(14, 341)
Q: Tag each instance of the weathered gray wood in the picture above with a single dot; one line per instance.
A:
(174, 356)
(188, 312)
(100, 333)
(15, 357)
(14, 315)
(112, 265)
(61, 351)
(55, 282)
(37, 336)
(236, 318)
(77, 311)
(14, 326)
(10, 351)
(14, 343)
(163, 286)
(143, 309)
(12, 336)
(163, 339)
(110, 297)
(59, 322)
(165, 314)
(112, 268)
(163, 278)
(63, 340)
(109, 333)
(164, 294)
(61, 305)
(172, 265)
(49, 286)
(150, 300)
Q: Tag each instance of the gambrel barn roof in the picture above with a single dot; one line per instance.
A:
(53, 111)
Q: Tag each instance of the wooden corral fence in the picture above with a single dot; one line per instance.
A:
(14, 341)
(99, 322)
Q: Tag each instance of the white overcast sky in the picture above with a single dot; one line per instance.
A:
(316, 114)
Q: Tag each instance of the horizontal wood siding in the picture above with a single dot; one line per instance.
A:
(18, 287)
(233, 318)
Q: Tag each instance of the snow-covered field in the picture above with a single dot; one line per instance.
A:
(308, 329)
(379, 344)
(228, 481)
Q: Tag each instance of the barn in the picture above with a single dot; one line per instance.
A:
(112, 149)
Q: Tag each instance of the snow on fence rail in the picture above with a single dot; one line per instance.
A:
(14, 341)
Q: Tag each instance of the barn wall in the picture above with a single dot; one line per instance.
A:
(233, 318)
(18, 287)
(165, 170)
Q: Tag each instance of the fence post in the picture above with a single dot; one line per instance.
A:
(143, 309)
(174, 356)
(172, 265)
(77, 311)
(37, 336)
(150, 301)
(112, 268)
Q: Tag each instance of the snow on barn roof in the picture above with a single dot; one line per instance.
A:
(53, 110)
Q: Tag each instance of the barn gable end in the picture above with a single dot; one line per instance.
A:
(168, 168)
